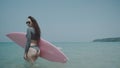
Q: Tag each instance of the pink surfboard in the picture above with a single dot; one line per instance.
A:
(47, 50)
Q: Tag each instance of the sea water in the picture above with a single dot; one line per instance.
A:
(80, 54)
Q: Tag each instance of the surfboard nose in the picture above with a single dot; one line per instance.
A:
(65, 60)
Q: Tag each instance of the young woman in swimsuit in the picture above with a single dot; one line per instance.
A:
(33, 36)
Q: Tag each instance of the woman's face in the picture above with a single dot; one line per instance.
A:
(29, 22)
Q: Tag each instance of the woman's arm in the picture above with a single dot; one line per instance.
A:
(28, 36)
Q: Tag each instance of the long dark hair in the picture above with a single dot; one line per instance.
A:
(36, 27)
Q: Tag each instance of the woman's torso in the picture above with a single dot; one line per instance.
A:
(33, 36)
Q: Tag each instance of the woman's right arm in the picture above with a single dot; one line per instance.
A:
(28, 36)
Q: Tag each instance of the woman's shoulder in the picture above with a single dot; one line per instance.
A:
(31, 29)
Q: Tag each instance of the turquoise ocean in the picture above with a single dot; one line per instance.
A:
(80, 54)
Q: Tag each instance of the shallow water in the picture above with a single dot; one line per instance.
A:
(81, 55)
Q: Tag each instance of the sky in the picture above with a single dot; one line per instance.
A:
(62, 20)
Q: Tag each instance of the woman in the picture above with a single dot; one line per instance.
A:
(33, 35)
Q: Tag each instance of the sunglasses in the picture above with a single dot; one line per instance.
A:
(28, 22)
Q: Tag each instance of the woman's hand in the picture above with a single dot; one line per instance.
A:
(25, 56)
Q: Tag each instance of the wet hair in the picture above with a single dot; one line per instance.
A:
(36, 27)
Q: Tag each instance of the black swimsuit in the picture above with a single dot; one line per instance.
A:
(35, 47)
(30, 36)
